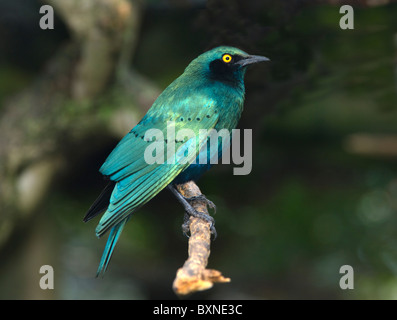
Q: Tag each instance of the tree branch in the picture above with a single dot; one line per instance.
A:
(194, 276)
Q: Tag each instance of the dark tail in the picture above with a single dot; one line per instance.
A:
(110, 244)
(101, 203)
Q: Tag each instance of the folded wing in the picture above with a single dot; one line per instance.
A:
(137, 181)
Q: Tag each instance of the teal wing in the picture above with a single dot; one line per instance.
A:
(137, 181)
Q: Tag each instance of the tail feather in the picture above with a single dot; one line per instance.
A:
(110, 244)
(101, 203)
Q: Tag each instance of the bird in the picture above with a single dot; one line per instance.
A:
(208, 95)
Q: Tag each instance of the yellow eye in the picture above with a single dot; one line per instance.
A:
(226, 58)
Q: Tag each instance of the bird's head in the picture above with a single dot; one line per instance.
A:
(226, 64)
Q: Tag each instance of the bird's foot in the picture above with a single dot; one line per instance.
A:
(197, 214)
(190, 211)
(203, 198)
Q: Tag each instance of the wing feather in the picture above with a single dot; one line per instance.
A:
(137, 182)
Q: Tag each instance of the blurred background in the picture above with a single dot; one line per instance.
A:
(323, 189)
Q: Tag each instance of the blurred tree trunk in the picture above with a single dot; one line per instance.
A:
(67, 102)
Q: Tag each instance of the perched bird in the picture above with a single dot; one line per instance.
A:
(208, 95)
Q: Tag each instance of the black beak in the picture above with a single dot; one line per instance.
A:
(251, 59)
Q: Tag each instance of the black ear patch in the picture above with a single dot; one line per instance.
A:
(223, 71)
(218, 67)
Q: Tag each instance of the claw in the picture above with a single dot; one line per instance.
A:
(213, 231)
(200, 215)
(190, 211)
(202, 197)
(186, 225)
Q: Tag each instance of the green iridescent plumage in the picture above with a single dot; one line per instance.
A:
(208, 95)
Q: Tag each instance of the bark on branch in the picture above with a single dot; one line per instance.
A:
(194, 276)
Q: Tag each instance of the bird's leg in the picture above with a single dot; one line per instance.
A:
(203, 198)
(190, 211)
